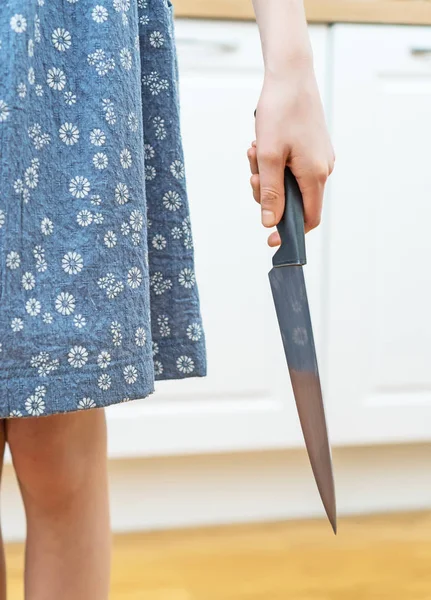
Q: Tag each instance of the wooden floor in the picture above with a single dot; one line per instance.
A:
(373, 558)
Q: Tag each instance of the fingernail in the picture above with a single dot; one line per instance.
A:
(268, 218)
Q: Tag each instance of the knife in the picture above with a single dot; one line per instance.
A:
(291, 304)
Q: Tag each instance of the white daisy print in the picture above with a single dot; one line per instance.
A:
(33, 307)
(185, 364)
(69, 98)
(78, 356)
(132, 121)
(72, 263)
(100, 160)
(17, 324)
(134, 277)
(172, 201)
(149, 152)
(104, 359)
(79, 321)
(136, 239)
(15, 413)
(96, 200)
(158, 368)
(130, 373)
(187, 278)
(79, 187)
(194, 332)
(150, 172)
(61, 39)
(160, 129)
(156, 39)
(46, 226)
(159, 242)
(28, 281)
(31, 177)
(122, 193)
(126, 58)
(104, 381)
(4, 111)
(163, 323)
(84, 218)
(125, 158)
(13, 260)
(99, 14)
(177, 169)
(136, 220)
(140, 336)
(110, 239)
(121, 5)
(65, 303)
(56, 79)
(18, 23)
(85, 403)
(35, 405)
(47, 318)
(97, 137)
(69, 134)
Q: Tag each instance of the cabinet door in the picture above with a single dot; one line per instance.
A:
(245, 402)
(378, 369)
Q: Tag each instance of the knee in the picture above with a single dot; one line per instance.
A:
(55, 456)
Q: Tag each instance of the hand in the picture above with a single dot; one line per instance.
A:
(290, 130)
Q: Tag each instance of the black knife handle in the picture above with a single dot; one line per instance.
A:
(291, 226)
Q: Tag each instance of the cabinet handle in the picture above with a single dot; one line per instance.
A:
(421, 52)
(219, 47)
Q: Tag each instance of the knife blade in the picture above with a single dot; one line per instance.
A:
(293, 314)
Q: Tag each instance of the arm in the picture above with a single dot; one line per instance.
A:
(290, 122)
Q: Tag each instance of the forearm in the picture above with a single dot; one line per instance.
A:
(284, 35)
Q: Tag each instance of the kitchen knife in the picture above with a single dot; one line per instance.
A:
(291, 304)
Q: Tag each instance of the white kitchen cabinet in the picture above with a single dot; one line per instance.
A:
(378, 330)
(245, 402)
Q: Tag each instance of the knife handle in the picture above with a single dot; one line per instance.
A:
(291, 226)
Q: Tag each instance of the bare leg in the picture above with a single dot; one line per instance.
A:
(61, 466)
(2, 558)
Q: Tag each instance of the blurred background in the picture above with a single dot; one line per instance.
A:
(212, 494)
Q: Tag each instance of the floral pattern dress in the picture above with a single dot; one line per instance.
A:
(98, 295)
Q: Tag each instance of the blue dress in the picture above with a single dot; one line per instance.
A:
(98, 295)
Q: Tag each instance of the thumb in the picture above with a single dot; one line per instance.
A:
(271, 172)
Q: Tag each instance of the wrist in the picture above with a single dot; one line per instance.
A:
(290, 66)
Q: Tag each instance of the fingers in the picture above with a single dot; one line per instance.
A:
(252, 159)
(255, 185)
(271, 173)
(313, 199)
(254, 179)
(312, 186)
(274, 239)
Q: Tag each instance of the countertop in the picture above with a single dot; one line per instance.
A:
(409, 12)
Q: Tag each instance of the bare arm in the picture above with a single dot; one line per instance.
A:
(290, 123)
(283, 31)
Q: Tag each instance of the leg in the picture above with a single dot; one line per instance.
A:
(61, 466)
(2, 558)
